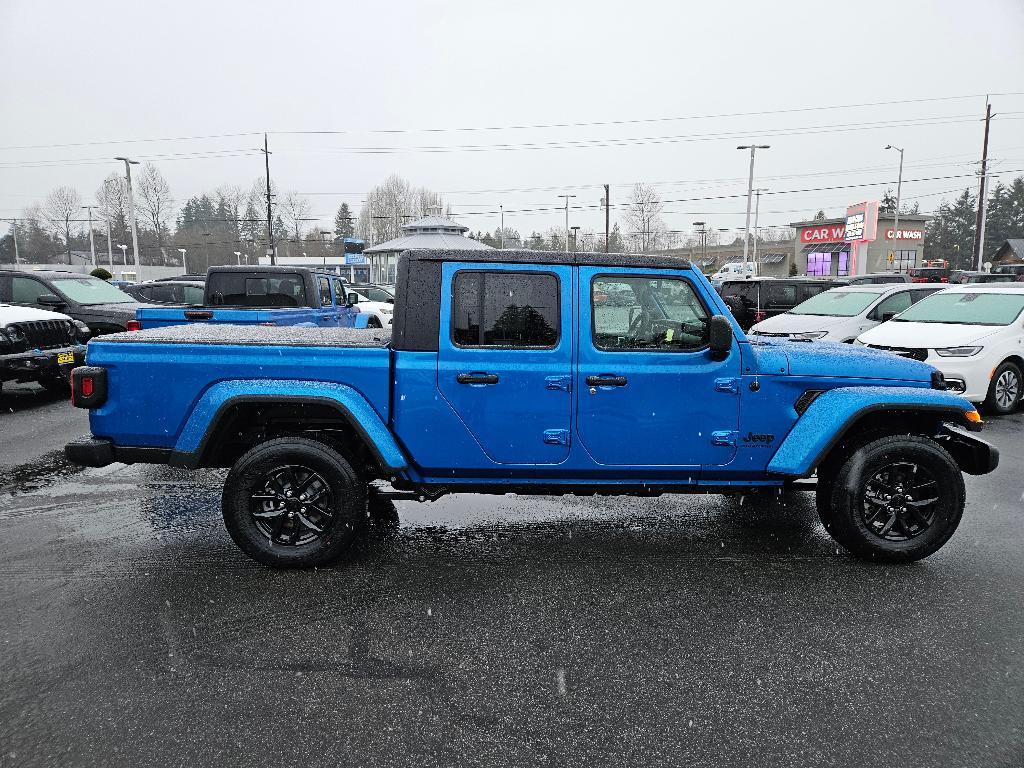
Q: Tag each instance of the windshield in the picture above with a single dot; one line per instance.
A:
(966, 309)
(837, 303)
(376, 294)
(242, 289)
(91, 290)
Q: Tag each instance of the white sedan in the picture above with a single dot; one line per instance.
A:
(973, 333)
(381, 312)
(842, 314)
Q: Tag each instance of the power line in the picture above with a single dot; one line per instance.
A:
(647, 140)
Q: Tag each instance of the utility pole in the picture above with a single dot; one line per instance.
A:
(501, 239)
(979, 226)
(750, 193)
(899, 191)
(607, 217)
(270, 224)
(92, 241)
(575, 239)
(131, 209)
(567, 220)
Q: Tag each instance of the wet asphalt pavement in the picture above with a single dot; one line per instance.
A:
(499, 631)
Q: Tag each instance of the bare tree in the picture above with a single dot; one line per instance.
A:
(112, 200)
(156, 202)
(393, 203)
(644, 218)
(294, 208)
(60, 207)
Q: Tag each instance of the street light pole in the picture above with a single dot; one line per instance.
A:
(92, 240)
(501, 239)
(124, 254)
(567, 220)
(899, 189)
(575, 238)
(131, 209)
(184, 261)
(238, 257)
(750, 193)
(702, 233)
(757, 211)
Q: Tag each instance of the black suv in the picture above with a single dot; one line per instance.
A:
(758, 298)
(183, 292)
(101, 306)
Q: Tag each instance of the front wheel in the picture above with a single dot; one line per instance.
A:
(895, 499)
(1004, 391)
(293, 503)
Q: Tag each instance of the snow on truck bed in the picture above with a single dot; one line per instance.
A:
(254, 335)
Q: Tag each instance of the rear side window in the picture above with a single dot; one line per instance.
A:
(806, 291)
(781, 294)
(505, 309)
(325, 292)
(340, 292)
(746, 291)
(240, 289)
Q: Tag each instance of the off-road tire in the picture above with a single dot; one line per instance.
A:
(1005, 389)
(340, 484)
(841, 501)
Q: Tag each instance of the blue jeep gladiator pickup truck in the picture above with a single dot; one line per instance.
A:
(265, 296)
(533, 372)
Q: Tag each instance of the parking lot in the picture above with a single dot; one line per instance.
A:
(499, 630)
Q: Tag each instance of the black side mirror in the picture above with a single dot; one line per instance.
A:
(352, 298)
(720, 337)
(50, 300)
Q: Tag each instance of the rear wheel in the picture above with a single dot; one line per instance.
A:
(294, 503)
(1004, 391)
(894, 499)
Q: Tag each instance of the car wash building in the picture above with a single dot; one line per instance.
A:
(863, 241)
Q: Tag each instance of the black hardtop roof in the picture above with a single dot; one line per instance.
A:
(586, 258)
(794, 279)
(269, 268)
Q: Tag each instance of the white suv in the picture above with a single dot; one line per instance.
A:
(842, 314)
(734, 270)
(973, 333)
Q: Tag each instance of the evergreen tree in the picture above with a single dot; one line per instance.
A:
(344, 222)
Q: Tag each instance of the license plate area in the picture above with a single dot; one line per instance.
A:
(65, 358)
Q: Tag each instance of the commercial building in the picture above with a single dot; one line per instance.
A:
(428, 232)
(821, 246)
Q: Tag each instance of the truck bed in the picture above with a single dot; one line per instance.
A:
(268, 336)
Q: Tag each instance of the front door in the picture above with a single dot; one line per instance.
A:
(505, 358)
(649, 391)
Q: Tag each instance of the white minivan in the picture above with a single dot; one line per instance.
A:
(842, 314)
(973, 333)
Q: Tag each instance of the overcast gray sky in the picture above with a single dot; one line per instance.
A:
(79, 73)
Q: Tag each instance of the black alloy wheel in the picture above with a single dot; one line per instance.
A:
(295, 506)
(899, 501)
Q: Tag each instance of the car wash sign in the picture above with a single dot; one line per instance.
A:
(823, 233)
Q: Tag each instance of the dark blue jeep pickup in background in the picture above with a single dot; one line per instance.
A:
(265, 296)
(533, 372)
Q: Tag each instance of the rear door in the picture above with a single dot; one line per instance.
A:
(505, 358)
(649, 392)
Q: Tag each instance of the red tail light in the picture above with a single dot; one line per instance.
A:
(88, 387)
(133, 325)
